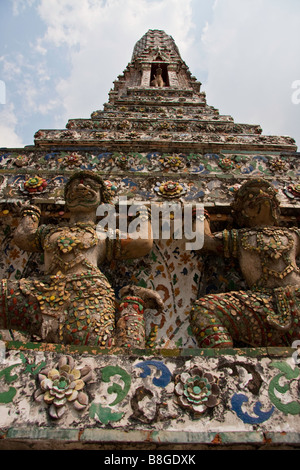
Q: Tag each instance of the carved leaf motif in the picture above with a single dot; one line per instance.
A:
(292, 407)
(165, 376)
(261, 416)
(110, 371)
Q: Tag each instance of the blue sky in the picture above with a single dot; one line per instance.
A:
(59, 58)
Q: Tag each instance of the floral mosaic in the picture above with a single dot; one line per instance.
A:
(153, 145)
(63, 385)
(196, 390)
(35, 184)
(108, 392)
(239, 164)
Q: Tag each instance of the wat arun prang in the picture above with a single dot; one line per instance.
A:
(156, 140)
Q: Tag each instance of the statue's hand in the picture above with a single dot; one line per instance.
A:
(25, 235)
(151, 298)
(29, 209)
(23, 205)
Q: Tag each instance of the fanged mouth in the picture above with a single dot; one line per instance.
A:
(82, 193)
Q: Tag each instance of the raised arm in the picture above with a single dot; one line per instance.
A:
(212, 242)
(135, 241)
(139, 239)
(26, 234)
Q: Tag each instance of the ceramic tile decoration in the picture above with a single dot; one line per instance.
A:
(114, 338)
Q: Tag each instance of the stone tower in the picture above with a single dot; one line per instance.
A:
(173, 117)
(156, 140)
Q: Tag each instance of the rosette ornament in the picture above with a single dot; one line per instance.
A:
(170, 189)
(62, 385)
(35, 184)
(278, 165)
(20, 160)
(72, 160)
(196, 391)
(174, 162)
(226, 163)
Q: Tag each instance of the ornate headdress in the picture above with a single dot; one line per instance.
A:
(105, 194)
(254, 190)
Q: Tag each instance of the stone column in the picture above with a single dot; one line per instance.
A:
(146, 75)
(173, 78)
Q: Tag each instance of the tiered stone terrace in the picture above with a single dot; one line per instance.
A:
(144, 137)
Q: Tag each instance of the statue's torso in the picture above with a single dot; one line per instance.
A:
(268, 257)
(72, 249)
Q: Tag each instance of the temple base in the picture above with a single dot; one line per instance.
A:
(59, 397)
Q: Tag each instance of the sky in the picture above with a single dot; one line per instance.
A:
(59, 58)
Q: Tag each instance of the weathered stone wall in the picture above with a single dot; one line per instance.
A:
(156, 145)
(179, 275)
(145, 399)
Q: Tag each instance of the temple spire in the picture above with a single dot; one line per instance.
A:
(156, 103)
(156, 54)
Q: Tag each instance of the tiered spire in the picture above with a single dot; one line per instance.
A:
(156, 104)
(156, 43)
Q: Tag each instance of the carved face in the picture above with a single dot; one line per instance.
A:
(256, 204)
(83, 195)
(258, 210)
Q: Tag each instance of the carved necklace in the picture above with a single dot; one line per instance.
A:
(276, 248)
(70, 240)
(276, 245)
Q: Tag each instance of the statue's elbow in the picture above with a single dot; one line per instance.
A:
(24, 241)
(140, 248)
(147, 246)
(19, 239)
(143, 247)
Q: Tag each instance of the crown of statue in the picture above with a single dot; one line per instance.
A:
(82, 175)
(255, 189)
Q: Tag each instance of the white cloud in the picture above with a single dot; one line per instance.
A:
(28, 77)
(19, 5)
(247, 53)
(253, 57)
(11, 68)
(28, 89)
(101, 36)
(8, 123)
(2, 92)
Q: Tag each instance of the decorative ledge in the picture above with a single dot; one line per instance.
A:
(67, 394)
